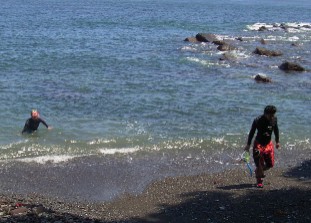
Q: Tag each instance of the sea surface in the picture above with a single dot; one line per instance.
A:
(116, 78)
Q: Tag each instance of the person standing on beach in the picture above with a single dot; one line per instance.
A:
(33, 122)
(263, 148)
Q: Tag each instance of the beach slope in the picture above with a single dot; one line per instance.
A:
(229, 196)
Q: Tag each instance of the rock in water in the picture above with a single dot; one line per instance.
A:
(226, 47)
(206, 37)
(290, 66)
(265, 52)
(263, 79)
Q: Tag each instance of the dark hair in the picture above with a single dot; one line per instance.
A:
(270, 109)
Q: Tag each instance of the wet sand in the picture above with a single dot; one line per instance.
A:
(226, 196)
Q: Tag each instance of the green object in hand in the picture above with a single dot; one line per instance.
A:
(246, 157)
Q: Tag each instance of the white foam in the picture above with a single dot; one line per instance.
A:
(101, 141)
(257, 25)
(219, 140)
(206, 62)
(237, 54)
(189, 49)
(304, 141)
(290, 27)
(46, 159)
(233, 134)
(293, 38)
(14, 144)
(221, 37)
(298, 27)
(113, 151)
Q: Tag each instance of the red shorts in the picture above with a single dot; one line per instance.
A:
(265, 156)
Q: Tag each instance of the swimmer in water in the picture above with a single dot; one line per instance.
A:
(33, 122)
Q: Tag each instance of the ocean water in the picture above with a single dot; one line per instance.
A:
(117, 77)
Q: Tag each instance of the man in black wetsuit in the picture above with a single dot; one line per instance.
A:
(263, 149)
(33, 122)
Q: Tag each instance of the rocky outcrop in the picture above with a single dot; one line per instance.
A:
(225, 45)
(265, 52)
(283, 26)
(206, 37)
(211, 38)
(290, 66)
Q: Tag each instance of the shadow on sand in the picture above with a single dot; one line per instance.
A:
(302, 172)
(285, 205)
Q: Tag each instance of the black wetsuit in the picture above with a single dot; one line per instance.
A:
(265, 129)
(32, 125)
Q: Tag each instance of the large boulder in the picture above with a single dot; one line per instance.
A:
(191, 40)
(202, 37)
(265, 52)
(290, 66)
(206, 37)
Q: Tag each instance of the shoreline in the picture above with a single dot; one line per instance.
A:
(227, 196)
(105, 178)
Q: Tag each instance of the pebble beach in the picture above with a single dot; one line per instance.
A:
(227, 196)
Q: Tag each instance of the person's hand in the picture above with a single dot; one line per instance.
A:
(247, 147)
(278, 146)
(50, 128)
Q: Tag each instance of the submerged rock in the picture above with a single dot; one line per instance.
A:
(262, 79)
(263, 41)
(290, 66)
(265, 52)
(240, 38)
(226, 47)
(295, 44)
(228, 56)
(223, 46)
(307, 26)
(219, 42)
(262, 28)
